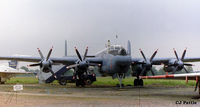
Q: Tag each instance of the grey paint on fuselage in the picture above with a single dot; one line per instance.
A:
(114, 60)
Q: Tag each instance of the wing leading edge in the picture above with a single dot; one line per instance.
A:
(61, 60)
(159, 61)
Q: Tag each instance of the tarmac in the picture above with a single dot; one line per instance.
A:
(46, 95)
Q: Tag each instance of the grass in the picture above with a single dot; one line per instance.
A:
(169, 82)
(22, 80)
(153, 82)
(108, 81)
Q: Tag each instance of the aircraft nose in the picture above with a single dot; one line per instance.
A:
(123, 60)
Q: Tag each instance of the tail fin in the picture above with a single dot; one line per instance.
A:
(65, 47)
(129, 48)
(13, 64)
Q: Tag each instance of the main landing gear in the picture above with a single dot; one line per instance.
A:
(138, 82)
(83, 80)
(80, 82)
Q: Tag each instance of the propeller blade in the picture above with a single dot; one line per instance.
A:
(185, 70)
(86, 51)
(154, 54)
(32, 65)
(143, 55)
(188, 64)
(183, 56)
(53, 74)
(138, 63)
(176, 55)
(152, 72)
(72, 66)
(171, 65)
(78, 54)
(41, 55)
(94, 64)
(49, 54)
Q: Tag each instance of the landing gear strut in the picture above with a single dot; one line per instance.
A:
(120, 77)
(80, 80)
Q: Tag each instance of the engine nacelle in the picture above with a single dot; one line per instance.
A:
(174, 65)
(46, 66)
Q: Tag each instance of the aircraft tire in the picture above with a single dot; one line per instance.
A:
(141, 83)
(136, 82)
(88, 82)
(82, 83)
(77, 83)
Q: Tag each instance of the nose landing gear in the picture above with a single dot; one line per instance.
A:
(120, 77)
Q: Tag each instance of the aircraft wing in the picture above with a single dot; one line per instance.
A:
(185, 76)
(159, 61)
(14, 72)
(166, 60)
(60, 60)
(21, 58)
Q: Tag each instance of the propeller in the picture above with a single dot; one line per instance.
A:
(45, 63)
(82, 63)
(147, 63)
(179, 63)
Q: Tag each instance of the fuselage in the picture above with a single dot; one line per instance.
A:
(115, 60)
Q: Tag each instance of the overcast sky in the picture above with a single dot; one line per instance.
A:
(26, 25)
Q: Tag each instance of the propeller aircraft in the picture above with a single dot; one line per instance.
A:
(113, 61)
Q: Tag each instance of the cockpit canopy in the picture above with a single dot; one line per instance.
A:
(117, 50)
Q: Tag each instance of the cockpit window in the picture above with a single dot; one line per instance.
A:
(116, 50)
